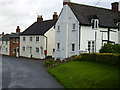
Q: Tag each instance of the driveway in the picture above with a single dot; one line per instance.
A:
(26, 73)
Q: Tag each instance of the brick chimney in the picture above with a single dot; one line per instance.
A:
(2, 33)
(55, 16)
(115, 6)
(66, 2)
(18, 29)
(39, 18)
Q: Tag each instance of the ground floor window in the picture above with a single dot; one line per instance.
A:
(58, 46)
(37, 50)
(73, 47)
(91, 46)
(23, 48)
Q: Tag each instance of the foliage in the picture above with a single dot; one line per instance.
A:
(82, 74)
(109, 48)
(50, 63)
(107, 58)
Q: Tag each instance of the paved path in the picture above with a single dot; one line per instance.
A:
(26, 73)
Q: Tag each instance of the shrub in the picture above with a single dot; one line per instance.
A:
(109, 48)
(107, 58)
(50, 63)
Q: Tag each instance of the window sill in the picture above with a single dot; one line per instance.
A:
(72, 51)
(58, 49)
(73, 30)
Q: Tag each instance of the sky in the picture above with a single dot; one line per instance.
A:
(23, 13)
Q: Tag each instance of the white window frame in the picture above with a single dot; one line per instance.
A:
(58, 28)
(91, 46)
(14, 50)
(17, 40)
(37, 50)
(95, 23)
(73, 48)
(31, 39)
(38, 39)
(73, 27)
(24, 38)
(58, 46)
(23, 48)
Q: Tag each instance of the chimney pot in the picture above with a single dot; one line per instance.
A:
(55, 16)
(115, 6)
(66, 2)
(39, 18)
(2, 33)
(18, 29)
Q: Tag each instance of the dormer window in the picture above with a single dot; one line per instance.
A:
(95, 23)
(118, 24)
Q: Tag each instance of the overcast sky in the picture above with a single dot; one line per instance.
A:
(23, 13)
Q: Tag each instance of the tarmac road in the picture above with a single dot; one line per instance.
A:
(26, 73)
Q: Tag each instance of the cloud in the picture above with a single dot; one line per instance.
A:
(24, 12)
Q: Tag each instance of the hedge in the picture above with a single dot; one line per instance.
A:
(106, 58)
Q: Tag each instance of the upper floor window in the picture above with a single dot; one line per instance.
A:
(37, 39)
(118, 24)
(30, 38)
(95, 23)
(73, 26)
(24, 38)
(17, 40)
(58, 28)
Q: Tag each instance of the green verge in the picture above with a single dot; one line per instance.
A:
(82, 74)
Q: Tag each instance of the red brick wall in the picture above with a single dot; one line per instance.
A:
(13, 45)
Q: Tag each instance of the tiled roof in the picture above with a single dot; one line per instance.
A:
(85, 13)
(6, 37)
(39, 28)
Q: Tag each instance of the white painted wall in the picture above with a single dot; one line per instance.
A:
(5, 50)
(66, 36)
(50, 34)
(34, 44)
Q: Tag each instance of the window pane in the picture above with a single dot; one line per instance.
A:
(37, 38)
(30, 38)
(73, 47)
(58, 27)
(74, 26)
(23, 38)
(37, 50)
(58, 45)
(89, 45)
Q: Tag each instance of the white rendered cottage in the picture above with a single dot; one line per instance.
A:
(38, 40)
(5, 45)
(83, 28)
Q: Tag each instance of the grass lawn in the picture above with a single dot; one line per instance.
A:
(81, 74)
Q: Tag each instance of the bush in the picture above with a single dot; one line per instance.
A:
(109, 48)
(107, 58)
(50, 63)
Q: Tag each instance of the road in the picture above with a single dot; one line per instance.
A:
(26, 73)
